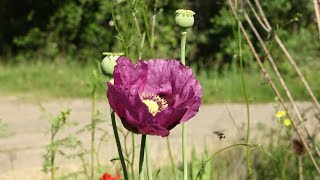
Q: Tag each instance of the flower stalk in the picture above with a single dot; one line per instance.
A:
(184, 128)
(245, 94)
(93, 128)
(116, 135)
(149, 169)
(132, 157)
(184, 18)
(141, 159)
(183, 47)
(173, 166)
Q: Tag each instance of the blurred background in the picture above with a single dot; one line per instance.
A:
(50, 54)
(49, 48)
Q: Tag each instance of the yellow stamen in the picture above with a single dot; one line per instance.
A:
(154, 103)
(153, 106)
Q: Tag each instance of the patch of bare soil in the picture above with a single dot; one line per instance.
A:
(21, 154)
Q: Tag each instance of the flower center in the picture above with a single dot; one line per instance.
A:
(152, 106)
(154, 103)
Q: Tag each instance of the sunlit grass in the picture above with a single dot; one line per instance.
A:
(43, 80)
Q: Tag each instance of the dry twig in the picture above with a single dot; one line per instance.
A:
(267, 77)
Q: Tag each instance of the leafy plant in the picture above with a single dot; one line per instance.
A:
(56, 145)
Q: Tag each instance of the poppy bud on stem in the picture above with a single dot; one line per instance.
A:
(107, 67)
(184, 18)
(109, 62)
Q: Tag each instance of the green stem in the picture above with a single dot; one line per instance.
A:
(132, 158)
(83, 161)
(173, 166)
(52, 167)
(184, 128)
(183, 47)
(244, 88)
(136, 22)
(52, 154)
(284, 175)
(141, 158)
(284, 167)
(149, 170)
(113, 16)
(146, 24)
(184, 152)
(93, 127)
(215, 154)
(116, 136)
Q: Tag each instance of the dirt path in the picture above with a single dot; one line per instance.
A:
(22, 153)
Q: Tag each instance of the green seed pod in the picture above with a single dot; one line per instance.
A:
(109, 62)
(184, 18)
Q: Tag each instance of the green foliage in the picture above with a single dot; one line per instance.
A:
(51, 28)
(42, 80)
(56, 145)
(61, 145)
(196, 165)
(82, 29)
(207, 172)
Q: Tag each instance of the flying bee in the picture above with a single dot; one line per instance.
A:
(219, 134)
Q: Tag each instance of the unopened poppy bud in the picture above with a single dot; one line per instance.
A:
(184, 18)
(109, 62)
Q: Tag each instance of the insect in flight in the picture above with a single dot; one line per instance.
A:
(219, 134)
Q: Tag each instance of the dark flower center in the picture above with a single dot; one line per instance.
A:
(154, 103)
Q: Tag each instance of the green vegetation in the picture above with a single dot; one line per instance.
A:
(82, 30)
(265, 163)
(36, 38)
(48, 80)
(43, 80)
(52, 49)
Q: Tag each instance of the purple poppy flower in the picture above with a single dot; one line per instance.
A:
(152, 97)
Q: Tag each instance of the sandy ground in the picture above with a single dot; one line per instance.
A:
(21, 154)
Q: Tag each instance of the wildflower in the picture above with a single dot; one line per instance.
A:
(281, 114)
(154, 96)
(107, 176)
(287, 122)
(184, 18)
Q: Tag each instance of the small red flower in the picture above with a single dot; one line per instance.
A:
(107, 176)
